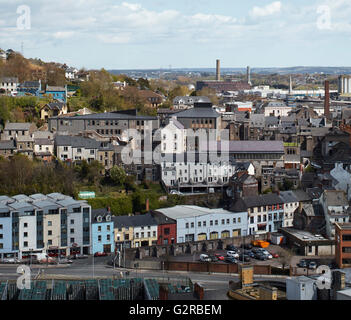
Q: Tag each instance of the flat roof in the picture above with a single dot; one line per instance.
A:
(188, 211)
(305, 236)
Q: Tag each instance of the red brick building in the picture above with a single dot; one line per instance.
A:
(166, 229)
(343, 244)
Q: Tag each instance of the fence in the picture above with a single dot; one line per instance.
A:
(212, 267)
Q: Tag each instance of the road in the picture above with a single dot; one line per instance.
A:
(86, 269)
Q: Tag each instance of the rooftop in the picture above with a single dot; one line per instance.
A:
(187, 211)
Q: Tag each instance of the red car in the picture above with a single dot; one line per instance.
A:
(100, 254)
(219, 257)
(274, 255)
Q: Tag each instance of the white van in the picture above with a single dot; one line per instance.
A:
(232, 254)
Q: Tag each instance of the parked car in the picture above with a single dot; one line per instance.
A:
(219, 256)
(213, 258)
(274, 255)
(231, 260)
(233, 254)
(205, 258)
(312, 265)
(261, 256)
(79, 256)
(230, 247)
(100, 254)
(249, 253)
(244, 257)
(246, 246)
(65, 261)
(302, 264)
(10, 260)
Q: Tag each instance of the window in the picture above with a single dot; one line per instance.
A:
(192, 224)
(154, 233)
(211, 223)
(49, 223)
(239, 220)
(227, 221)
(187, 225)
(108, 227)
(252, 220)
(99, 228)
(72, 240)
(108, 237)
(216, 222)
(204, 223)
(199, 224)
(223, 221)
(142, 234)
(149, 234)
(99, 238)
(1, 236)
(72, 221)
(25, 225)
(49, 232)
(1, 226)
(137, 235)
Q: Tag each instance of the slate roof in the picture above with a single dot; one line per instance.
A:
(288, 196)
(108, 116)
(256, 201)
(7, 145)
(52, 88)
(198, 113)
(76, 142)
(248, 146)
(17, 126)
(134, 221)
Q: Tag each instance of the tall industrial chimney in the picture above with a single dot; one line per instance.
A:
(326, 100)
(218, 70)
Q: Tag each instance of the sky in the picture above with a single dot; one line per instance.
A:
(153, 34)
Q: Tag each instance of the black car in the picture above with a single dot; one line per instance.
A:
(249, 253)
(246, 246)
(244, 257)
(261, 256)
(230, 260)
(230, 247)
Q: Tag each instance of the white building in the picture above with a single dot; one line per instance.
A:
(71, 73)
(187, 102)
(276, 109)
(342, 179)
(197, 223)
(173, 137)
(335, 207)
(291, 203)
(192, 173)
(9, 85)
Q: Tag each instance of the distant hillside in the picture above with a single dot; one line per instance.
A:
(282, 71)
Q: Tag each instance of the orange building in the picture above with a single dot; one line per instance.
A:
(343, 244)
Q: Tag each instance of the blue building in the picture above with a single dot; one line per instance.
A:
(32, 88)
(8, 247)
(102, 231)
(57, 93)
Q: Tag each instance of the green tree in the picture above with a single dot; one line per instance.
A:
(118, 175)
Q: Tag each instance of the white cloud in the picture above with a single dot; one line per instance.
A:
(63, 34)
(267, 10)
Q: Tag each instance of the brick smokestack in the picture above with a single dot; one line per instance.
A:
(147, 205)
(218, 70)
(326, 100)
